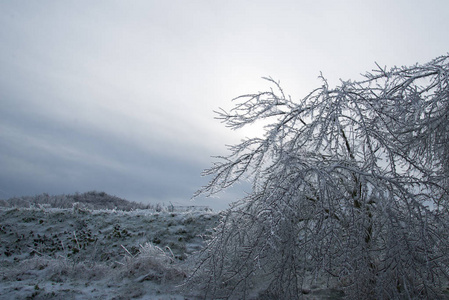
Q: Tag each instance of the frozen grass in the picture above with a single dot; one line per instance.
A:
(152, 272)
(79, 253)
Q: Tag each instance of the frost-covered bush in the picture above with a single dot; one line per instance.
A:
(153, 263)
(350, 186)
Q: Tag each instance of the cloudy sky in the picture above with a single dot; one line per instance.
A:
(118, 96)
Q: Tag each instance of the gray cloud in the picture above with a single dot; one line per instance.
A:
(118, 96)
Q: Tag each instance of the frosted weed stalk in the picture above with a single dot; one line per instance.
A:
(152, 263)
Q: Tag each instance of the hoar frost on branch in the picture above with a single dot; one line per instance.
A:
(350, 185)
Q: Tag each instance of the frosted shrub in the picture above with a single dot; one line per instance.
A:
(350, 189)
(153, 263)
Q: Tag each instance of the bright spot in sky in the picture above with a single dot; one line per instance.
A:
(118, 96)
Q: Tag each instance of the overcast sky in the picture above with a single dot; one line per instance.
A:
(118, 96)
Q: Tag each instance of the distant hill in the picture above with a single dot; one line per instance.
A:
(90, 200)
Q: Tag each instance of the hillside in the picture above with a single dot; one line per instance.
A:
(89, 200)
(89, 251)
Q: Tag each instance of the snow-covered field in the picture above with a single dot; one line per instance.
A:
(81, 253)
(97, 246)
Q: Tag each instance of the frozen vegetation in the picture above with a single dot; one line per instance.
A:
(350, 189)
(96, 246)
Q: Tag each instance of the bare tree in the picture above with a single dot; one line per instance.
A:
(350, 185)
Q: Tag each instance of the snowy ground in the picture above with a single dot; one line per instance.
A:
(72, 247)
(54, 253)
